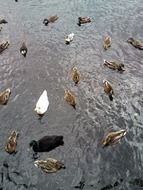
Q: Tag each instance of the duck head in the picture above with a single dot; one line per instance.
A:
(46, 21)
(130, 40)
(34, 145)
(121, 67)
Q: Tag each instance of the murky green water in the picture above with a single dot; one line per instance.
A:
(47, 66)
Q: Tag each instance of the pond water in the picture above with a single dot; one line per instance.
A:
(47, 66)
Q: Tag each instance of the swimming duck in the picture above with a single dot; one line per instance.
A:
(46, 143)
(3, 21)
(75, 75)
(4, 96)
(4, 46)
(108, 89)
(50, 19)
(70, 98)
(42, 104)
(69, 38)
(136, 43)
(113, 65)
(23, 49)
(113, 137)
(50, 165)
(83, 20)
(11, 143)
(107, 42)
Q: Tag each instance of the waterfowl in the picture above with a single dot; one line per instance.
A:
(4, 46)
(11, 143)
(70, 98)
(113, 137)
(23, 49)
(42, 104)
(50, 165)
(136, 43)
(75, 75)
(4, 96)
(46, 143)
(50, 19)
(83, 20)
(107, 42)
(3, 21)
(114, 65)
(108, 89)
(69, 38)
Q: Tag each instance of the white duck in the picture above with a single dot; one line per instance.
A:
(42, 104)
(69, 38)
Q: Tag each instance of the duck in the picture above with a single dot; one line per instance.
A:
(70, 98)
(114, 65)
(3, 21)
(83, 20)
(11, 143)
(136, 43)
(46, 143)
(50, 19)
(69, 38)
(3, 46)
(42, 104)
(75, 75)
(108, 89)
(113, 137)
(23, 49)
(50, 165)
(107, 42)
(4, 96)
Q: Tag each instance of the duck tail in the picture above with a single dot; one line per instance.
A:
(111, 97)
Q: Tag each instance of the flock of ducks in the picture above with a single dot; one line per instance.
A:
(48, 143)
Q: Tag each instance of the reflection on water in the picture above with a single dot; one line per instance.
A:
(47, 66)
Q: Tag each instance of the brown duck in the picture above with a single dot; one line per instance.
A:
(114, 65)
(70, 98)
(11, 143)
(83, 20)
(4, 96)
(4, 46)
(108, 89)
(107, 42)
(75, 75)
(23, 49)
(50, 165)
(50, 19)
(136, 43)
(113, 137)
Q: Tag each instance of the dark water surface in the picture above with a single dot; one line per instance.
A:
(47, 66)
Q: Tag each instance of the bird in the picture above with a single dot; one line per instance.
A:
(42, 104)
(136, 43)
(113, 137)
(107, 42)
(46, 143)
(4, 46)
(114, 65)
(11, 143)
(83, 20)
(75, 75)
(69, 38)
(108, 89)
(50, 165)
(70, 98)
(23, 49)
(4, 96)
(3, 21)
(50, 19)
